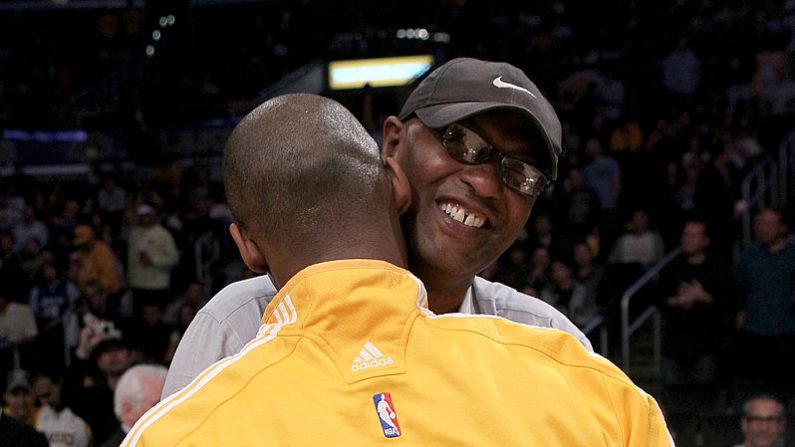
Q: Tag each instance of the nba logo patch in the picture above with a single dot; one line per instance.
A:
(386, 414)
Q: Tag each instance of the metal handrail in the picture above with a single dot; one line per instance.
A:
(203, 266)
(627, 328)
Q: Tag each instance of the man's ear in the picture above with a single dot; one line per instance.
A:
(249, 250)
(401, 188)
(393, 135)
(394, 138)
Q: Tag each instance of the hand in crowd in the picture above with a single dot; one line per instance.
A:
(90, 337)
(689, 293)
(740, 319)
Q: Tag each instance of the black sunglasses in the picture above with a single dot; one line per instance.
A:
(466, 146)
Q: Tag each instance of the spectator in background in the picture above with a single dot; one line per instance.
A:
(187, 313)
(15, 433)
(765, 274)
(59, 424)
(10, 211)
(31, 258)
(148, 333)
(603, 174)
(17, 331)
(568, 294)
(612, 94)
(544, 234)
(541, 233)
(65, 223)
(14, 277)
(101, 359)
(11, 267)
(764, 423)
(93, 260)
(52, 297)
(7, 253)
(697, 303)
(579, 208)
(714, 200)
(94, 302)
(514, 268)
(111, 200)
(151, 254)
(539, 270)
(639, 244)
(587, 271)
(17, 323)
(50, 300)
(194, 296)
(30, 228)
(681, 70)
(196, 223)
(42, 389)
(18, 397)
(138, 390)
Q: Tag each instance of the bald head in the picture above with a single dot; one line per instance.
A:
(294, 160)
(300, 171)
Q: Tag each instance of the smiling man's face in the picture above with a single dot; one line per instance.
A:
(462, 216)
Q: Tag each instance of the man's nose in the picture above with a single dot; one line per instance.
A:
(484, 179)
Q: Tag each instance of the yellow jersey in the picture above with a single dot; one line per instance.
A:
(349, 355)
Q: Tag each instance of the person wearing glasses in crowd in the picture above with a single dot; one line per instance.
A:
(763, 423)
(349, 353)
(479, 143)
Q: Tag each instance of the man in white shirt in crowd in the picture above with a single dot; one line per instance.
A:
(59, 424)
(151, 255)
(17, 331)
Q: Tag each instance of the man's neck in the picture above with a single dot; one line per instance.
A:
(446, 295)
(446, 302)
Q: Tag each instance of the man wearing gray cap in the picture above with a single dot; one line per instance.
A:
(479, 142)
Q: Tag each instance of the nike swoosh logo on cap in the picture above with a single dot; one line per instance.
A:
(499, 83)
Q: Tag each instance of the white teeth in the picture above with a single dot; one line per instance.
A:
(459, 214)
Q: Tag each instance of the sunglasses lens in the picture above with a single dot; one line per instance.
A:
(522, 177)
(466, 146)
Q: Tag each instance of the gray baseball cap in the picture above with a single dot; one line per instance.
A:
(465, 87)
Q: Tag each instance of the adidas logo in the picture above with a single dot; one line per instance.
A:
(370, 357)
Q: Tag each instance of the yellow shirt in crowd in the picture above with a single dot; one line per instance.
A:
(349, 355)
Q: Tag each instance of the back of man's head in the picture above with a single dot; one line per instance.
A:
(138, 390)
(300, 171)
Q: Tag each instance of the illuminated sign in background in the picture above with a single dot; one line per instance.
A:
(380, 72)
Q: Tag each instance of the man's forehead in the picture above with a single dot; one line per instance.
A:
(765, 406)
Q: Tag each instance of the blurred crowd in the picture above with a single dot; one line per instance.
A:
(98, 277)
